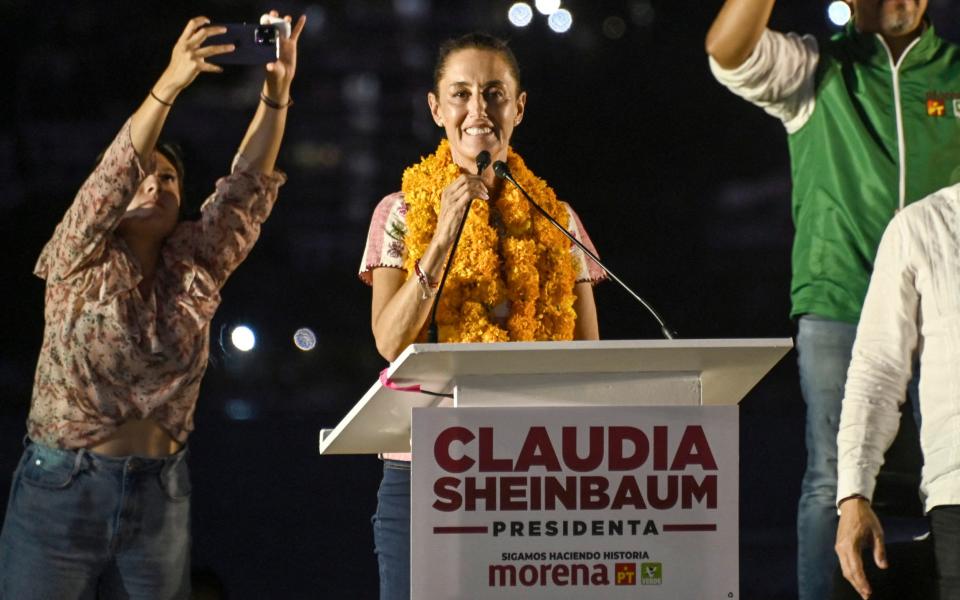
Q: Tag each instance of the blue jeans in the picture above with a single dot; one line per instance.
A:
(81, 525)
(391, 531)
(824, 348)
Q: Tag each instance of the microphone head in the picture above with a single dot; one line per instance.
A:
(501, 169)
(483, 161)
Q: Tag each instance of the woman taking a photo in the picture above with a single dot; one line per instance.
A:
(100, 502)
(514, 277)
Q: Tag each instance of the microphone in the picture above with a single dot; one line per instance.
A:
(483, 161)
(502, 171)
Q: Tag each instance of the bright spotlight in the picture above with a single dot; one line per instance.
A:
(305, 339)
(560, 21)
(548, 7)
(838, 12)
(243, 338)
(520, 14)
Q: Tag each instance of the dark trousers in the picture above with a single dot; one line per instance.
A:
(945, 524)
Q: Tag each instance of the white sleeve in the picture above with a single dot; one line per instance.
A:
(385, 238)
(779, 77)
(880, 366)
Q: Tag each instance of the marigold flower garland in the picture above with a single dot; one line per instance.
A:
(511, 253)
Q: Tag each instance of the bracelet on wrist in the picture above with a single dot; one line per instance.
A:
(157, 98)
(273, 103)
(427, 288)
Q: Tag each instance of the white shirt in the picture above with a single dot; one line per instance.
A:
(913, 303)
(778, 77)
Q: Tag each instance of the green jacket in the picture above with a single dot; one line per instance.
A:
(853, 168)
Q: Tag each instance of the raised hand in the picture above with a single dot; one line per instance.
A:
(188, 58)
(280, 73)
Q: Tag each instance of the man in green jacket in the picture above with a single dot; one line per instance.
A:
(873, 123)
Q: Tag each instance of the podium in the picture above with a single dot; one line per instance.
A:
(589, 469)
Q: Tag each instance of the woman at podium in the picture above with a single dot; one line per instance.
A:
(513, 275)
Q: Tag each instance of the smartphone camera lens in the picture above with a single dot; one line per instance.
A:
(265, 35)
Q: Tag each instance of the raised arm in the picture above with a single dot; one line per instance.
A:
(102, 199)
(736, 30)
(231, 218)
(259, 148)
(187, 60)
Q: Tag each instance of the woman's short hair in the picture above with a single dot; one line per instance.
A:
(476, 40)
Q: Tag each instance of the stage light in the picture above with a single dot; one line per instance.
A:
(838, 12)
(560, 21)
(305, 339)
(520, 14)
(548, 7)
(243, 338)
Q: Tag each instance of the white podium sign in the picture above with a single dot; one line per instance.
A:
(575, 502)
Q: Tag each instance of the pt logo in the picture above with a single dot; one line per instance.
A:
(626, 573)
(936, 107)
(651, 573)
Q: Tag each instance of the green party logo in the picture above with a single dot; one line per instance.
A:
(651, 573)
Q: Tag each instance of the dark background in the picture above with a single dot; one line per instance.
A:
(683, 187)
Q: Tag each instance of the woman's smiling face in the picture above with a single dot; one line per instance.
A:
(478, 103)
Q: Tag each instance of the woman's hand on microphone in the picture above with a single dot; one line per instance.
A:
(453, 203)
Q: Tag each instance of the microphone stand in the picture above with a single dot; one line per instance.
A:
(433, 334)
(503, 172)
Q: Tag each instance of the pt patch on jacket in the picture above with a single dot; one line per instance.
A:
(943, 104)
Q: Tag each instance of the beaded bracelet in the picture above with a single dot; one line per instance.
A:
(427, 289)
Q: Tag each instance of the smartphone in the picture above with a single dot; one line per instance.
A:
(254, 44)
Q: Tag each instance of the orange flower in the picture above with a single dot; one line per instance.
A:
(527, 263)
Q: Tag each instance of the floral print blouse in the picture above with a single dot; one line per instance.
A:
(110, 354)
